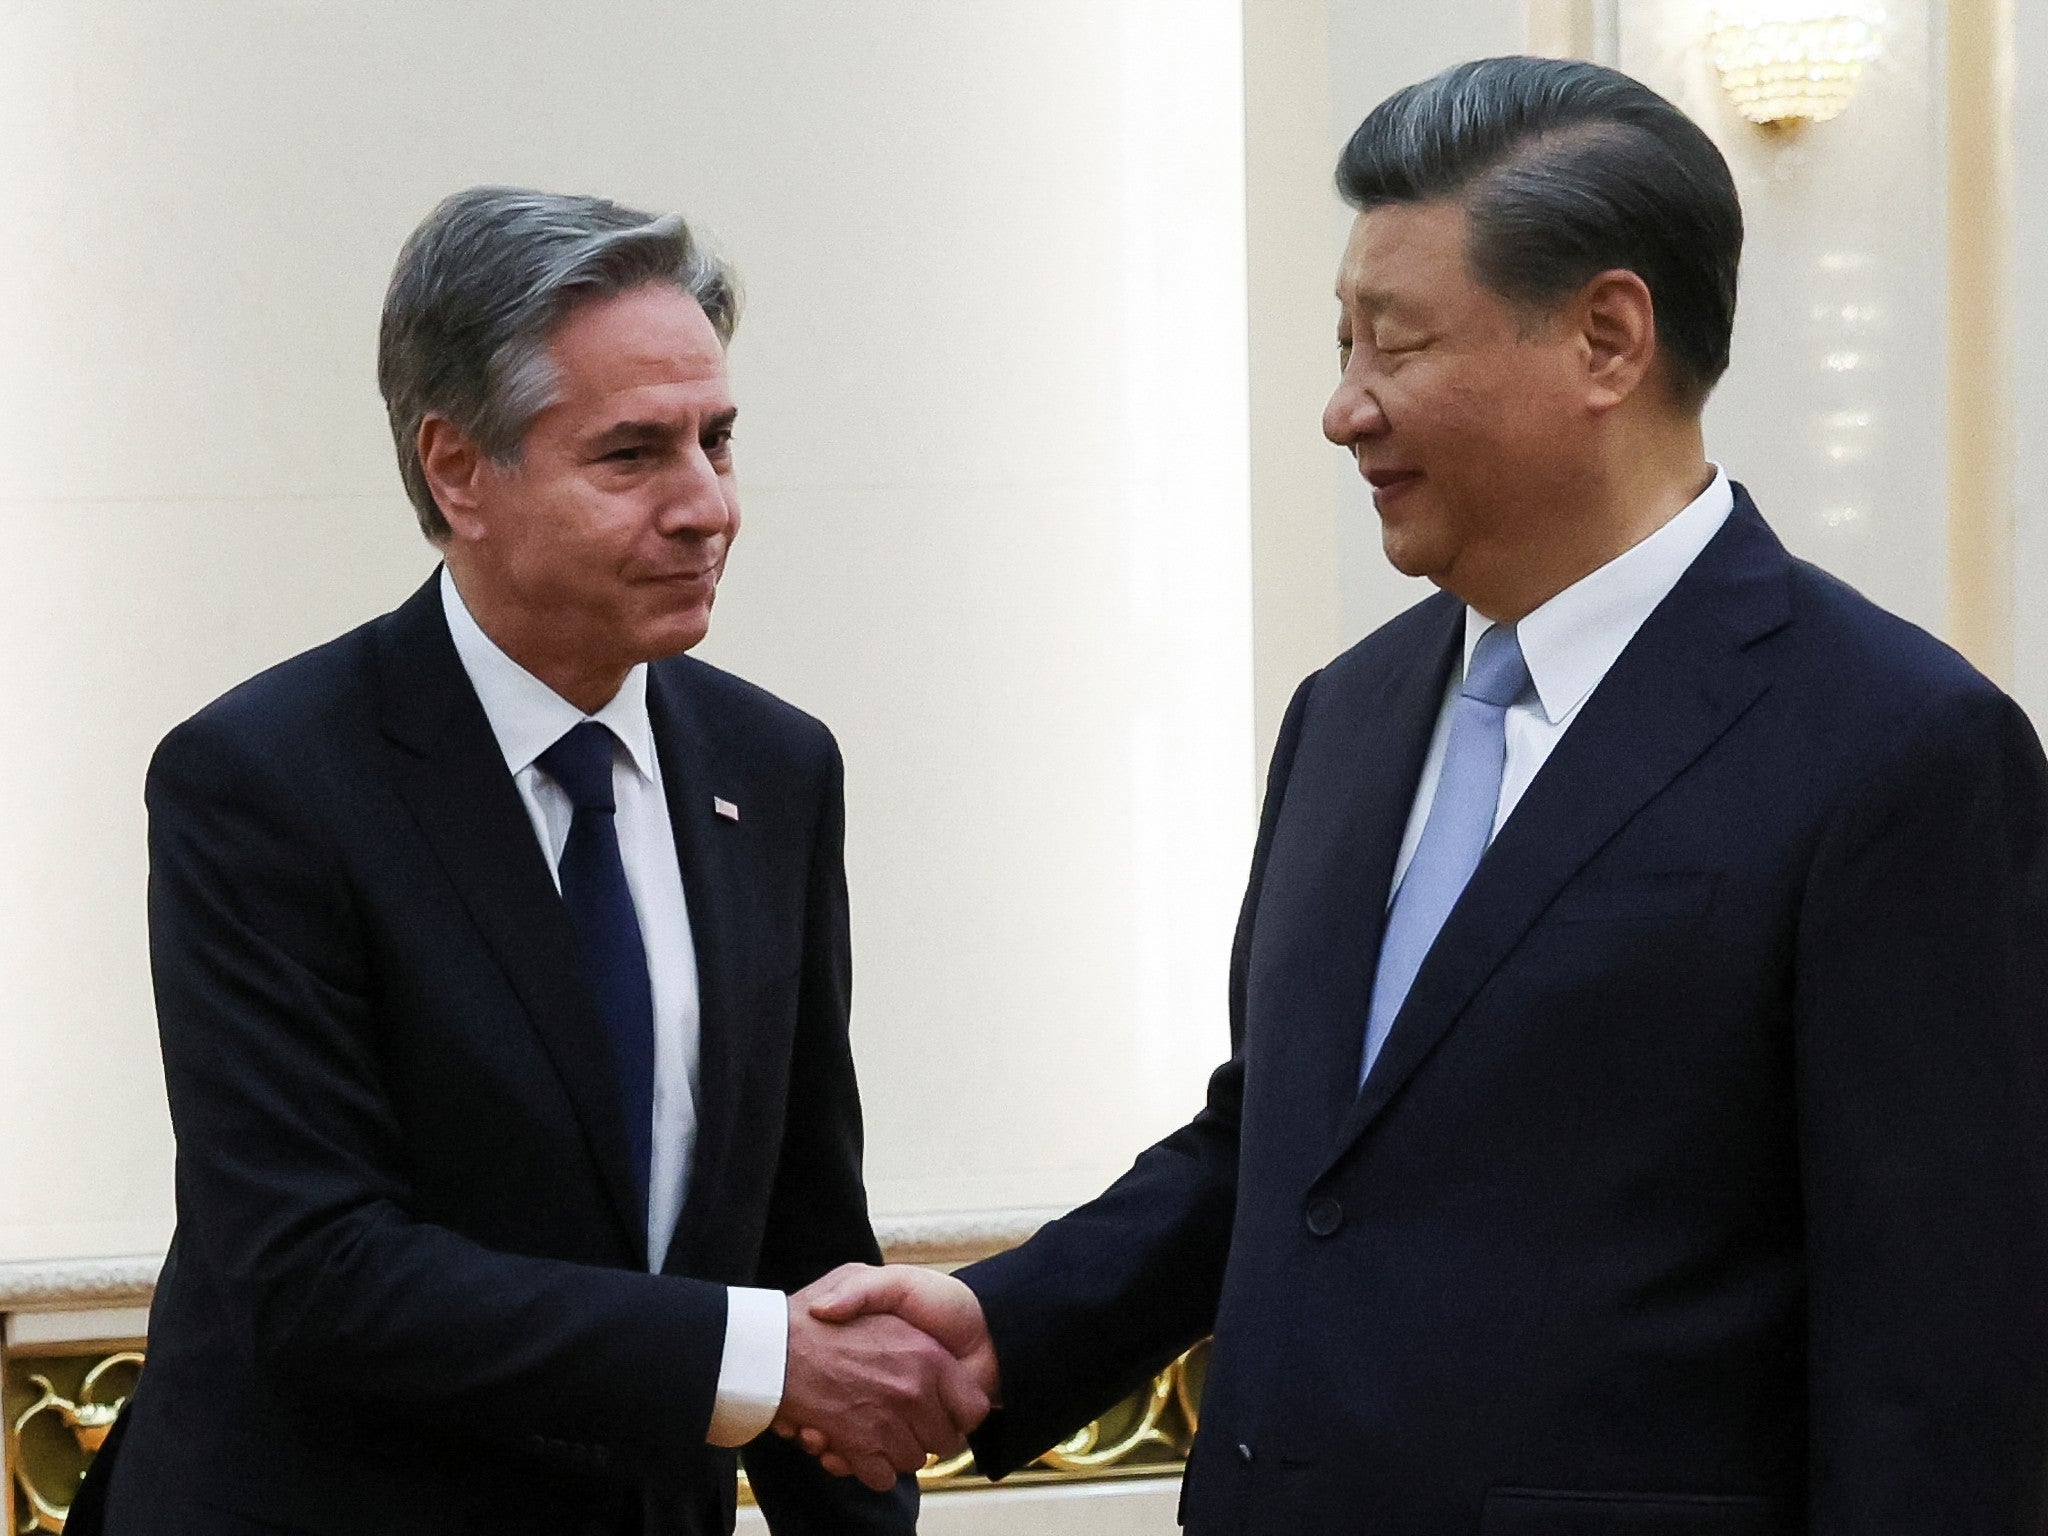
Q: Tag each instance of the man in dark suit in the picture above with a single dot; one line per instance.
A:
(502, 976)
(1638, 1120)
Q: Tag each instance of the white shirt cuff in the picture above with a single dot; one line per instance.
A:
(750, 1369)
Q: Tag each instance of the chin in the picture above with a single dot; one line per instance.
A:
(1407, 554)
(675, 634)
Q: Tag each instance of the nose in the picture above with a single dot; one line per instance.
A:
(1353, 414)
(695, 497)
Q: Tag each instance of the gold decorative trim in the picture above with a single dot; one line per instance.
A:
(58, 1400)
(58, 1415)
(69, 1408)
(1148, 1434)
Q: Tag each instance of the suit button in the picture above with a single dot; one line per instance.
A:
(1244, 1454)
(1325, 1216)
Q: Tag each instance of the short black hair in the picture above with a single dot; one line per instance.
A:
(1565, 170)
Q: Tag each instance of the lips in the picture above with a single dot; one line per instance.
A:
(1390, 485)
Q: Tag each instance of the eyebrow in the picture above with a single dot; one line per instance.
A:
(1379, 301)
(635, 431)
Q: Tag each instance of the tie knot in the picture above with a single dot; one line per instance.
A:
(1497, 674)
(581, 762)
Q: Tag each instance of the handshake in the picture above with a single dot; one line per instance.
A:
(886, 1367)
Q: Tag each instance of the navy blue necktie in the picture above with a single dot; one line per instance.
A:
(600, 903)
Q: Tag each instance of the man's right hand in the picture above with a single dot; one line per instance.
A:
(882, 1393)
(937, 1308)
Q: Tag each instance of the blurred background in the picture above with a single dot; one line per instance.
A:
(1039, 517)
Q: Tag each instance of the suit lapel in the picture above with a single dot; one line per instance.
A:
(1380, 738)
(714, 884)
(1677, 688)
(453, 778)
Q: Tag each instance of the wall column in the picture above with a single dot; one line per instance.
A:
(1290, 213)
(1980, 461)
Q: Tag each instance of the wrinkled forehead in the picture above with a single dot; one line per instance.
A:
(1400, 254)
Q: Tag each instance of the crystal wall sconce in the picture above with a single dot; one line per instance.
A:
(1792, 61)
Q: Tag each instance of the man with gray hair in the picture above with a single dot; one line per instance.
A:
(502, 974)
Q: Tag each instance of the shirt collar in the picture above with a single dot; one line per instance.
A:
(526, 715)
(1572, 640)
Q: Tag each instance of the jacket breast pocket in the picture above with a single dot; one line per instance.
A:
(1545, 1512)
(1659, 897)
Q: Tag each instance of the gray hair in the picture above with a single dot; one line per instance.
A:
(477, 294)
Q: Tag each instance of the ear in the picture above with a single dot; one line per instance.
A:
(1617, 322)
(455, 468)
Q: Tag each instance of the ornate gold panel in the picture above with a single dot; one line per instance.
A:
(58, 1409)
(1146, 1435)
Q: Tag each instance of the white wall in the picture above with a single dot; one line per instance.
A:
(993, 462)
(1833, 412)
(2029, 298)
(1378, 46)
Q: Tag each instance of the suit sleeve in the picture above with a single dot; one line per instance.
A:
(1108, 1295)
(1922, 1071)
(817, 1211)
(292, 1171)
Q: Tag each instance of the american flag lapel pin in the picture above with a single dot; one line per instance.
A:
(725, 808)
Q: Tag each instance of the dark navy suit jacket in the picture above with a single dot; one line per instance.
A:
(408, 1291)
(1702, 1186)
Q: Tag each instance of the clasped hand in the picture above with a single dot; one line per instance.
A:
(886, 1367)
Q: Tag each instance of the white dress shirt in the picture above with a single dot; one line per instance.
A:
(528, 717)
(1569, 644)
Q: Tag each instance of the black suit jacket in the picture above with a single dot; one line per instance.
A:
(408, 1290)
(1702, 1186)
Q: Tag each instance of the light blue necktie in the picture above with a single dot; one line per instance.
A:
(1459, 827)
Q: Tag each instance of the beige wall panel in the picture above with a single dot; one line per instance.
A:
(1976, 44)
(2029, 321)
(1293, 243)
(994, 462)
(1833, 411)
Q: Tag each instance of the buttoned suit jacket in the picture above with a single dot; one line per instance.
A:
(408, 1290)
(1701, 1188)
